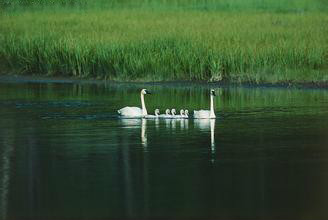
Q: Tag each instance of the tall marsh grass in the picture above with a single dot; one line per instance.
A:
(208, 5)
(129, 40)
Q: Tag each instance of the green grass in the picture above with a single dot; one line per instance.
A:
(207, 5)
(237, 41)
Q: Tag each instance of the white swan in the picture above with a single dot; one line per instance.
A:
(166, 115)
(153, 116)
(173, 113)
(207, 113)
(135, 111)
(182, 114)
(186, 113)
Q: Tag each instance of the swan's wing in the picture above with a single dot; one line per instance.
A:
(130, 111)
(202, 114)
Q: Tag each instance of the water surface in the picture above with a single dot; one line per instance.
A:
(64, 153)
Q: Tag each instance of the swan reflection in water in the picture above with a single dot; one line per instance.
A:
(171, 123)
(137, 123)
(139, 133)
(143, 133)
(203, 125)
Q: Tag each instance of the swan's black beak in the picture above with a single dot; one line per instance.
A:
(213, 93)
(147, 92)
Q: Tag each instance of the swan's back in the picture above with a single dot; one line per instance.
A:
(151, 116)
(202, 114)
(130, 111)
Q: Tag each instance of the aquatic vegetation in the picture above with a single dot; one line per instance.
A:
(169, 40)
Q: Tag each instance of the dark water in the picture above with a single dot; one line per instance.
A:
(65, 155)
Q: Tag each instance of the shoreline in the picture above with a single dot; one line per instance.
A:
(6, 78)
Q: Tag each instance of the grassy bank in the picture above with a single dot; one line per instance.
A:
(168, 40)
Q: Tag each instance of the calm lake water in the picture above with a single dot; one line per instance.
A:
(64, 153)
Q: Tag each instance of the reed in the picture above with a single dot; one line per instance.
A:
(148, 41)
(207, 5)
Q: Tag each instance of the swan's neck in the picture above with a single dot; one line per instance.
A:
(212, 114)
(143, 106)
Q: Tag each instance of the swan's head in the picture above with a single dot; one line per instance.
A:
(173, 111)
(213, 92)
(167, 111)
(145, 91)
(186, 112)
(182, 112)
(157, 112)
